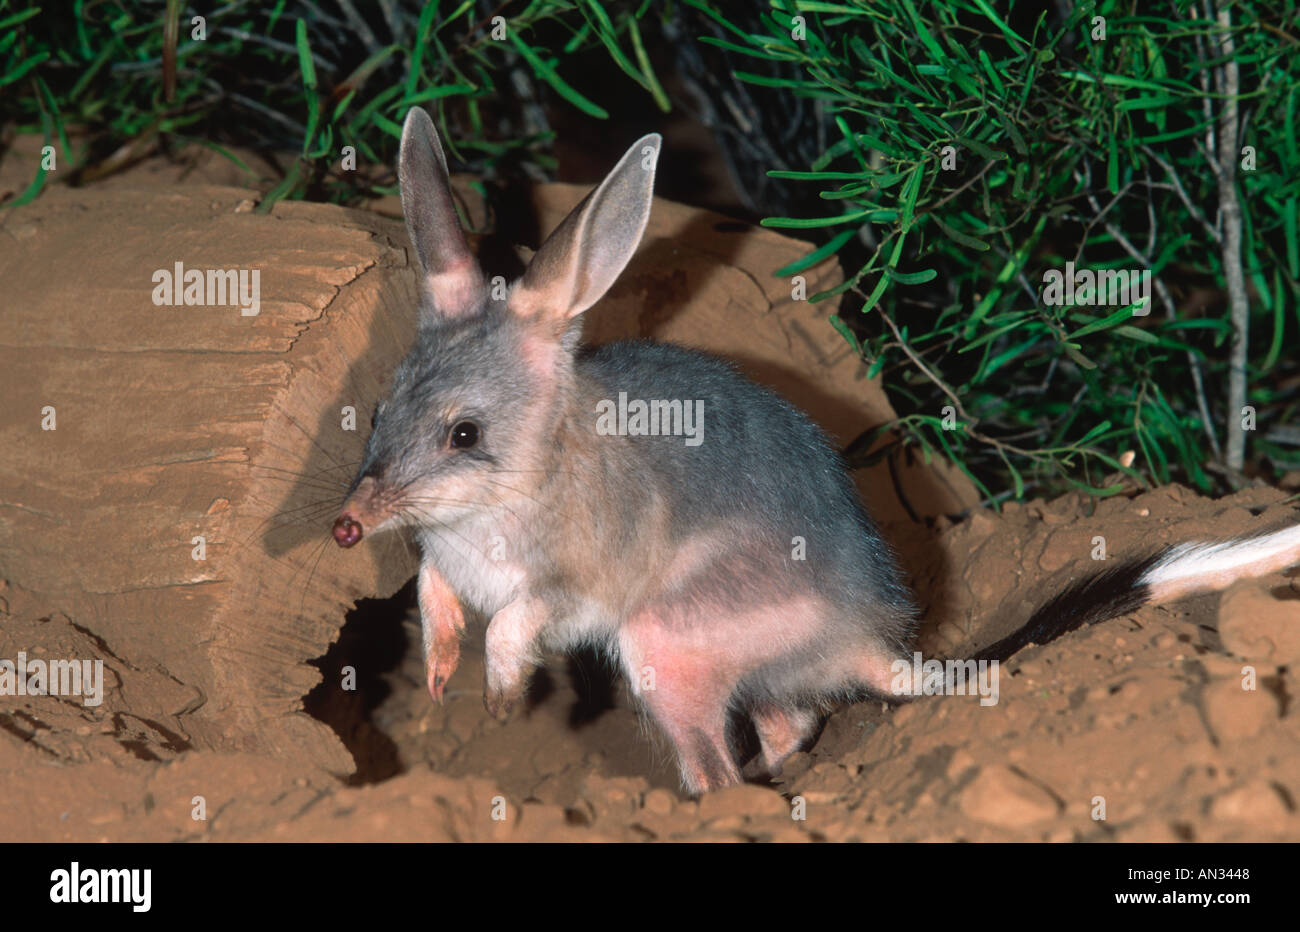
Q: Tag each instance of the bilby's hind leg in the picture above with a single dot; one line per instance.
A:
(693, 714)
(781, 732)
(687, 697)
(687, 653)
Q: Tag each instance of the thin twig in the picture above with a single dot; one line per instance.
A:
(1192, 209)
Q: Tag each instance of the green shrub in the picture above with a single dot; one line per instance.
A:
(298, 75)
(1065, 147)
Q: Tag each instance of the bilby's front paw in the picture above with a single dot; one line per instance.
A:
(440, 663)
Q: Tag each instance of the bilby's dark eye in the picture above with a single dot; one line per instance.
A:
(464, 434)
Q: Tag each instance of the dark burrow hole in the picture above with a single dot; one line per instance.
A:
(374, 642)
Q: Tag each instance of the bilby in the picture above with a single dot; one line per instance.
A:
(738, 575)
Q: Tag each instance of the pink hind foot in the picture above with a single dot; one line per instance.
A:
(684, 658)
(781, 732)
(695, 721)
(687, 697)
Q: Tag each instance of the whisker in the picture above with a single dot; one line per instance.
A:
(320, 552)
(295, 454)
(316, 443)
(318, 485)
(305, 516)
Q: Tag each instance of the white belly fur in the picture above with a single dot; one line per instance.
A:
(474, 557)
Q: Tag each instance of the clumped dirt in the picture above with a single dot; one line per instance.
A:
(1145, 716)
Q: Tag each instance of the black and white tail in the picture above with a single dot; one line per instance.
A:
(1175, 572)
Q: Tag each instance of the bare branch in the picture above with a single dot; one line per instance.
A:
(1230, 212)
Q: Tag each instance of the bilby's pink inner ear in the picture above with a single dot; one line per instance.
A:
(452, 277)
(580, 261)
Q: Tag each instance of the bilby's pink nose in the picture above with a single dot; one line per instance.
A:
(347, 530)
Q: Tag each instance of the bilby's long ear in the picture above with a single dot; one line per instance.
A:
(588, 250)
(452, 277)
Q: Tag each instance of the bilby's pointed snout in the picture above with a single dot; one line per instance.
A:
(357, 515)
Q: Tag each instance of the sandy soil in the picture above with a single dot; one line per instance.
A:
(1146, 713)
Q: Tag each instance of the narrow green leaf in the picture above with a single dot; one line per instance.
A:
(843, 330)
(999, 22)
(815, 176)
(1120, 80)
(807, 223)
(979, 148)
(876, 292)
(647, 70)
(1135, 333)
(991, 72)
(914, 278)
(434, 93)
(1091, 435)
(922, 33)
(828, 248)
(305, 62)
(423, 32)
(1149, 102)
(763, 80)
(1104, 323)
(23, 68)
(910, 193)
(551, 77)
(1078, 357)
(1112, 165)
(30, 192)
(17, 18)
(957, 236)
